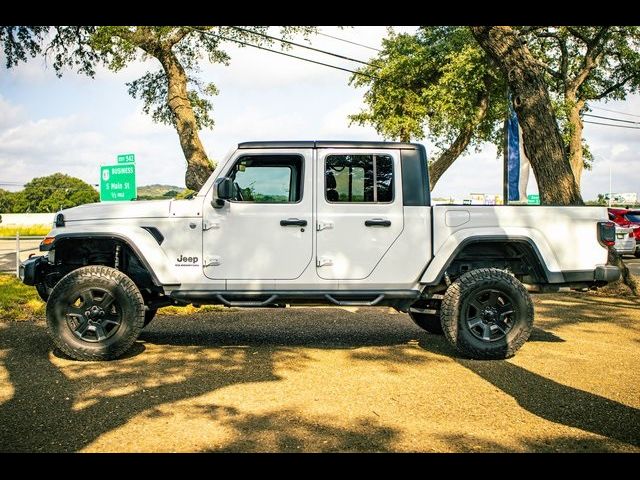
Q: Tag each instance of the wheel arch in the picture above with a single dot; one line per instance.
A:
(434, 274)
(142, 245)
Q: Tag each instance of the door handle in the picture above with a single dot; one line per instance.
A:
(293, 221)
(377, 222)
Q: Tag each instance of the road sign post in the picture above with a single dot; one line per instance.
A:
(118, 182)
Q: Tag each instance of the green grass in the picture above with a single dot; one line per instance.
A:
(18, 301)
(25, 230)
(190, 310)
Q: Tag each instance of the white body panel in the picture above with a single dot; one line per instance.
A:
(346, 248)
(245, 241)
(566, 237)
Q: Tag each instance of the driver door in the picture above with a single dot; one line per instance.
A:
(265, 231)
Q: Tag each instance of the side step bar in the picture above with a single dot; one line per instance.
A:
(351, 298)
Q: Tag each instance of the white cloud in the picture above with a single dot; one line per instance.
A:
(137, 123)
(335, 123)
(10, 114)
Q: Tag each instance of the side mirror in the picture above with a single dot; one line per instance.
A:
(222, 190)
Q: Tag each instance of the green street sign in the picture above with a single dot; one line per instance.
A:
(126, 158)
(533, 199)
(118, 182)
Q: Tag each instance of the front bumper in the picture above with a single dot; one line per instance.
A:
(31, 270)
(607, 273)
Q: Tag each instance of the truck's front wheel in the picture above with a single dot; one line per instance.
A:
(95, 313)
(487, 314)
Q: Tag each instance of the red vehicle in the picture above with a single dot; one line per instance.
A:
(627, 218)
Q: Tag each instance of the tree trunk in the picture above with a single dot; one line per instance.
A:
(446, 158)
(199, 167)
(616, 259)
(575, 140)
(542, 140)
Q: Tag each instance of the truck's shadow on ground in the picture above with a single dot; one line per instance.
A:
(58, 405)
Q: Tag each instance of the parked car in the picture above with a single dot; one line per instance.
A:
(625, 241)
(628, 218)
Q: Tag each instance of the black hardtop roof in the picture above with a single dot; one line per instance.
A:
(330, 144)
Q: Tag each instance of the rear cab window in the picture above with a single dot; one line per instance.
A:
(359, 178)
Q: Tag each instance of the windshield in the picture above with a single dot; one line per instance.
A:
(633, 217)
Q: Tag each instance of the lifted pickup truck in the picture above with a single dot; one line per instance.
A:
(340, 223)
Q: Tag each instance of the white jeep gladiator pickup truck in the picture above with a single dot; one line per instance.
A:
(309, 222)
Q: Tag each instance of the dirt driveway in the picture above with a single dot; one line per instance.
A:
(330, 380)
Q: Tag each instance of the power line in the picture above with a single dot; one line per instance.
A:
(222, 37)
(348, 41)
(610, 118)
(615, 111)
(612, 125)
(308, 47)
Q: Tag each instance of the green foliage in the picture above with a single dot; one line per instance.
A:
(609, 56)
(20, 43)
(50, 194)
(159, 192)
(185, 194)
(584, 64)
(432, 80)
(7, 200)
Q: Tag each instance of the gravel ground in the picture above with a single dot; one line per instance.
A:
(330, 379)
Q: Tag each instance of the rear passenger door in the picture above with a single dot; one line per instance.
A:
(359, 210)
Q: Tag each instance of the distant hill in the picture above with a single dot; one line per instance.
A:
(156, 191)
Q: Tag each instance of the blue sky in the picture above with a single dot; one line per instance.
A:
(75, 124)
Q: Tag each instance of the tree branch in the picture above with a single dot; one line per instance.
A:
(446, 158)
(176, 36)
(576, 33)
(612, 88)
(591, 59)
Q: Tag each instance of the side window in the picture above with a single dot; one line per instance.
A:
(267, 179)
(358, 178)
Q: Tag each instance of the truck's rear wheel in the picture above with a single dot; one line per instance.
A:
(487, 314)
(95, 313)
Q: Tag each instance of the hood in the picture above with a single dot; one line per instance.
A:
(108, 210)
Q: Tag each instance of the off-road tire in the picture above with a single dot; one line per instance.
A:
(456, 302)
(127, 307)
